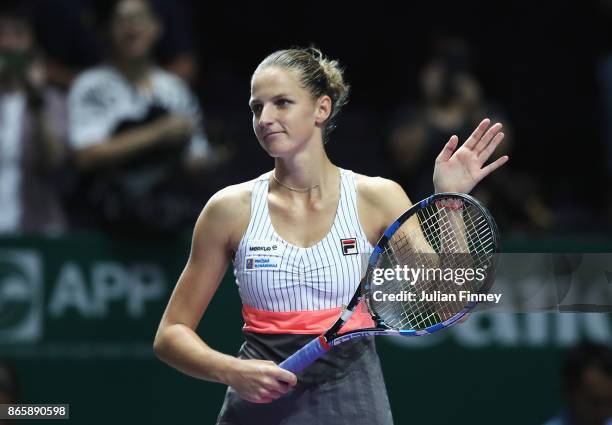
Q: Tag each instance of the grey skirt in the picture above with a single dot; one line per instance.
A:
(344, 387)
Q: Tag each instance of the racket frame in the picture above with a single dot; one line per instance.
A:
(331, 338)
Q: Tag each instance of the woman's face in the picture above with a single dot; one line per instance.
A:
(285, 117)
(134, 29)
(16, 43)
(15, 35)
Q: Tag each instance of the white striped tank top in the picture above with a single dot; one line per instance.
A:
(286, 288)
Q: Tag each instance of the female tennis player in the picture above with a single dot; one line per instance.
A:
(297, 237)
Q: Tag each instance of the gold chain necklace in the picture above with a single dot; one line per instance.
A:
(293, 189)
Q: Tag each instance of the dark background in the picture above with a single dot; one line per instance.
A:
(537, 59)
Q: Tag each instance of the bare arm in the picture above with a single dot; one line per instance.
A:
(51, 146)
(176, 342)
(48, 118)
(386, 200)
(129, 143)
(457, 169)
(381, 202)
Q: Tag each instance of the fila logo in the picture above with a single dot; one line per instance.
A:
(349, 246)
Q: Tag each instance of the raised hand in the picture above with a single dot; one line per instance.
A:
(459, 170)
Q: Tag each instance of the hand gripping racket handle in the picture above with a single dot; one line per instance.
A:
(306, 355)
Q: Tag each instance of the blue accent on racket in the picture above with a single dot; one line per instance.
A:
(305, 357)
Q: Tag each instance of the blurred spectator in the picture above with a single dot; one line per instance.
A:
(70, 37)
(32, 131)
(452, 103)
(9, 387)
(605, 78)
(136, 130)
(586, 385)
(605, 81)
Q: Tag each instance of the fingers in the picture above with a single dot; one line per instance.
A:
(284, 375)
(261, 381)
(493, 166)
(486, 153)
(262, 400)
(477, 134)
(448, 149)
(277, 394)
(277, 383)
(270, 390)
(277, 386)
(266, 396)
(483, 143)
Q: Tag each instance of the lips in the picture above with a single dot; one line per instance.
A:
(271, 134)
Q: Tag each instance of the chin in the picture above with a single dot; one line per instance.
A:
(277, 149)
(134, 51)
(274, 150)
(280, 146)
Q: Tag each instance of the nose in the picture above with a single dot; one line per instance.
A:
(266, 116)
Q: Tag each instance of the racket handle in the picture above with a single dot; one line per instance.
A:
(306, 355)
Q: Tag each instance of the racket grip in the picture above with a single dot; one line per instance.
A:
(306, 355)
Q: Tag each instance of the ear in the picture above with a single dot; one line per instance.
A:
(323, 107)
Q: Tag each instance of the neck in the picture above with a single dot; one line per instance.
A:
(134, 70)
(305, 172)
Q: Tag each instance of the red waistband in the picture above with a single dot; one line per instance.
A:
(302, 322)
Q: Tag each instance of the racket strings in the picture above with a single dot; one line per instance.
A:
(409, 316)
(436, 241)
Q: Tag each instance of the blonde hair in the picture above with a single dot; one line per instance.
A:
(317, 74)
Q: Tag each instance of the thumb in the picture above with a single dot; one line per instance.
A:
(448, 149)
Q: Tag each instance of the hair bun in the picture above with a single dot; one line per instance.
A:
(318, 74)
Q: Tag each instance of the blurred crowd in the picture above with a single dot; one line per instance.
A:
(101, 126)
(9, 386)
(585, 386)
(95, 133)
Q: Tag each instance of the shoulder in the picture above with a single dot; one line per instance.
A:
(379, 190)
(170, 81)
(230, 200)
(174, 92)
(94, 76)
(227, 213)
(95, 83)
(380, 201)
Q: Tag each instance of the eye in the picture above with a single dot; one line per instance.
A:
(256, 108)
(282, 102)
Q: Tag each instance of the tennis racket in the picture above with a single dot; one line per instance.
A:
(444, 236)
